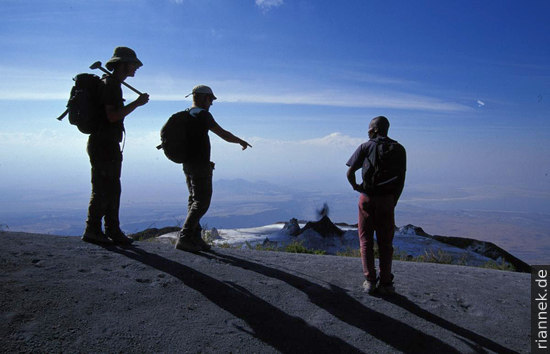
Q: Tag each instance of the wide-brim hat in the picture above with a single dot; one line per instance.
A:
(123, 55)
(202, 89)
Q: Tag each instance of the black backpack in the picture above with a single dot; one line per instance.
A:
(84, 106)
(384, 168)
(175, 141)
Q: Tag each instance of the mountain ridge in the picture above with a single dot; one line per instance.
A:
(327, 236)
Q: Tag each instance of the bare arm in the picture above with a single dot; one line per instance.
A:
(352, 180)
(114, 114)
(228, 136)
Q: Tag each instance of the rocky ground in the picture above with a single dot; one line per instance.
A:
(59, 294)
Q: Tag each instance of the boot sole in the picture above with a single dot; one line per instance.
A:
(186, 248)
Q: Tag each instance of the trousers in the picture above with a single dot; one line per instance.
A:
(106, 161)
(198, 177)
(376, 214)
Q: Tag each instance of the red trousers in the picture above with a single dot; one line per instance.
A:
(376, 214)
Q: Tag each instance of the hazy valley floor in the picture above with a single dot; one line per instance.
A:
(61, 294)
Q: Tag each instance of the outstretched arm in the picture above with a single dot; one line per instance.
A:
(228, 136)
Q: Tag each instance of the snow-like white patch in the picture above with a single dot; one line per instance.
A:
(406, 242)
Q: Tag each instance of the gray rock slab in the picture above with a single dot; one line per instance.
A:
(59, 294)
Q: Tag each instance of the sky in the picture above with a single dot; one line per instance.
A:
(465, 85)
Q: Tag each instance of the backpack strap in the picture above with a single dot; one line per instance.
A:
(373, 155)
(195, 111)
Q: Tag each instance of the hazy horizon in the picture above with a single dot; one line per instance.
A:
(242, 204)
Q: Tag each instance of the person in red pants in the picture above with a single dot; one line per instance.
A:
(383, 162)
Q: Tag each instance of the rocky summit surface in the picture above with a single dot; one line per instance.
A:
(59, 294)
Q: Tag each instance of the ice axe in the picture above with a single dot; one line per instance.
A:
(97, 65)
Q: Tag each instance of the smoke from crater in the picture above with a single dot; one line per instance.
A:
(321, 213)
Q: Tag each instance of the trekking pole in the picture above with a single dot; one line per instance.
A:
(97, 65)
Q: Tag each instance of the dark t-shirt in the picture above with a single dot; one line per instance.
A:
(360, 159)
(112, 96)
(200, 122)
(357, 160)
(103, 144)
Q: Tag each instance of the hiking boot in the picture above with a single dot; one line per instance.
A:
(369, 287)
(201, 243)
(185, 243)
(119, 238)
(97, 237)
(386, 289)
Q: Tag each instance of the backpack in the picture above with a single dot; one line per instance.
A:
(384, 168)
(175, 141)
(84, 105)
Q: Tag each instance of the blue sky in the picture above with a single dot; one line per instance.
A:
(465, 84)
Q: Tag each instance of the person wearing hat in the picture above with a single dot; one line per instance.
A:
(105, 152)
(198, 169)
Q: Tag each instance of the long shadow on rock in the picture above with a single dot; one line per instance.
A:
(337, 302)
(285, 333)
(479, 341)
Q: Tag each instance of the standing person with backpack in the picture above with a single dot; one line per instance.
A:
(196, 123)
(383, 164)
(105, 152)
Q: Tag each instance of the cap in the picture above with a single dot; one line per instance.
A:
(202, 89)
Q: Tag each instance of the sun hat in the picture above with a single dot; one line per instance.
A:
(123, 55)
(202, 89)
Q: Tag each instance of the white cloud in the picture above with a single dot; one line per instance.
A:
(342, 98)
(30, 83)
(333, 141)
(299, 91)
(317, 162)
(44, 139)
(267, 5)
(20, 84)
